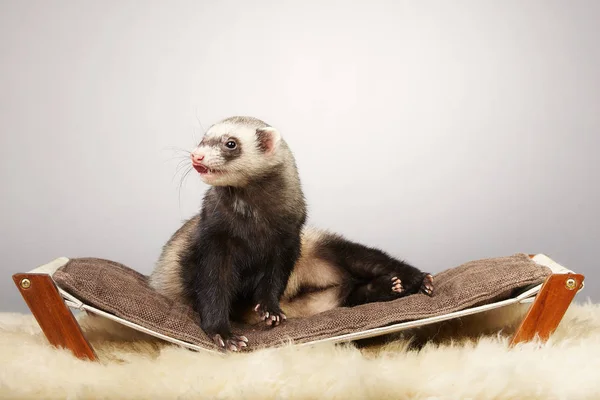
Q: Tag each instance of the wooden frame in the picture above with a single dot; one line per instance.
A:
(549, 307)
(62, 329)
(52, 314)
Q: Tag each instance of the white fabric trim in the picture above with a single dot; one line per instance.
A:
(50, 269)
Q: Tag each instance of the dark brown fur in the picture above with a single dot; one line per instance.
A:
(246, 249)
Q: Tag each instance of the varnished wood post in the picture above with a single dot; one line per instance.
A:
(549, 307)
(52, 314)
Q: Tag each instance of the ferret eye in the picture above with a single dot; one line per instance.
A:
(230, 144)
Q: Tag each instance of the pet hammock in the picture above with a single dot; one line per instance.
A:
(121, 294)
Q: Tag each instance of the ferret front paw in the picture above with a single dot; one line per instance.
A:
(231, 343)
(397, 285)
(427, 285)
(272, 316)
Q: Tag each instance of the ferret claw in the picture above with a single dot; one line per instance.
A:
(270, 318)
(234, 343)
(397, 285)
(427, 285)
(218, 340)
(273, 321)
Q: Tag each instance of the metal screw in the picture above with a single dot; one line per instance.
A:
(25, 283)
(571, 284)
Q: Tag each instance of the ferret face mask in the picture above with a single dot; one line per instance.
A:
(231, 153)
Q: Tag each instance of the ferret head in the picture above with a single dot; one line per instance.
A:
(235, 150)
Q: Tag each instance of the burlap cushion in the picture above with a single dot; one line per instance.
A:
(119, 290)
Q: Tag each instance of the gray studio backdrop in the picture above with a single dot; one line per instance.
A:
(440, 131)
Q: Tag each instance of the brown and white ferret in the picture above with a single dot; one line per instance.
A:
(248, 254)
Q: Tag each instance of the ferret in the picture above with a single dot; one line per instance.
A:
(248, 255)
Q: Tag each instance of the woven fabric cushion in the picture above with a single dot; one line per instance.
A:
(119, 290)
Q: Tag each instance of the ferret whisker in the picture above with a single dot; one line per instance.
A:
(202, 130)
(181, 157)
(182, 162)
(178, 158)
(178, 149)
(182, 168)
(181, 185)
(187, 155)
(217, 202)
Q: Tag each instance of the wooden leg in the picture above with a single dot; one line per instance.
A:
(52, 314)
(549, 307)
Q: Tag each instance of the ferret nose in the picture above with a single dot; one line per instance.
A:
(197, 158)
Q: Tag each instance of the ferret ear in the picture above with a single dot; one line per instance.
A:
(268, 139)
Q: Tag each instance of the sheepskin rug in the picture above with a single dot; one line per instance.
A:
(462, 359)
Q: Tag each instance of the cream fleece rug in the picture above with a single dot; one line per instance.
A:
(461, 360)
